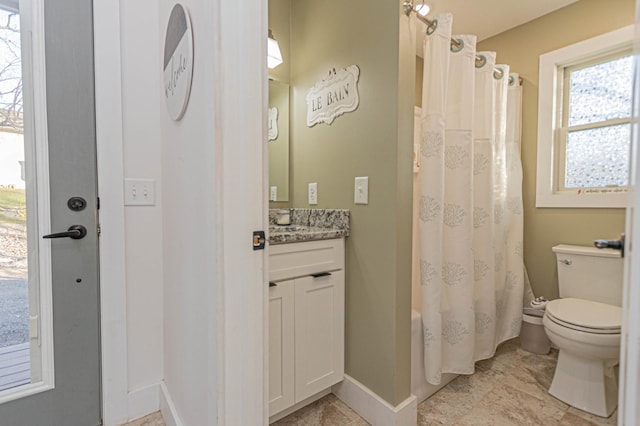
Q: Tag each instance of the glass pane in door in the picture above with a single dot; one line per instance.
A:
(14, 291)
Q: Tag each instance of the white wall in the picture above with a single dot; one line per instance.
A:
(189, 166)
(185, 330)
(141, 133)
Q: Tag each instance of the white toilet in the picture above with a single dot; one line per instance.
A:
(585, 325)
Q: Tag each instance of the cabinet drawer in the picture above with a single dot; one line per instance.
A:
(305, 258)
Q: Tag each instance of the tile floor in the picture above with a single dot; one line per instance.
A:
(327, 411)
(509, 389)
(154, 419)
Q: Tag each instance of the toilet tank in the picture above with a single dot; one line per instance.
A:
(590, 273)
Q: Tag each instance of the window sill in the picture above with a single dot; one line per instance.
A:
(612, 200)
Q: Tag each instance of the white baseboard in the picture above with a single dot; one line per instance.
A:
(374, 409)
(143, 401)
(168, 408)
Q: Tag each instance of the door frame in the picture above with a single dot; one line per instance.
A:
(241, 122)
(628, 410)
(110, 153)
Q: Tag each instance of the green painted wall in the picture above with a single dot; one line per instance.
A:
(521, 48)
(375, 141)
(280, 26)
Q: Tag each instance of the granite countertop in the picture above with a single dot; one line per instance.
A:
(309, 225)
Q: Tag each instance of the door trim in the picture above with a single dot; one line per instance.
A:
(38, 100)
(629, 386)
(109, 139)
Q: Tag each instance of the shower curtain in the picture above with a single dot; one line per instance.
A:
(469, 186)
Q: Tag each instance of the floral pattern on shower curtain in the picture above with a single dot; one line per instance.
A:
(469, 195)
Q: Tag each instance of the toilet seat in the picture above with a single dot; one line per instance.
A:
(585, 315)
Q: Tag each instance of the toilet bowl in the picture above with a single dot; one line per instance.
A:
(585, 326)
(585, 377)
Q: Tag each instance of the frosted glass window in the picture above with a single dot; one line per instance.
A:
(595, 127)
(598, 157)
(585, 110)
(601, 92)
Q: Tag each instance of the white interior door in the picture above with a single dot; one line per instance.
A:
(56, 297)
(628, 407)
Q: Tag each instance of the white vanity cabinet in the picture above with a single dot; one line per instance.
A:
(306, 320)
(281, 349)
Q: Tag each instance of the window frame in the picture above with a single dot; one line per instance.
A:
(551, 74)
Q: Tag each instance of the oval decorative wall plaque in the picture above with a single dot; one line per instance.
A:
(273, 124)
(333, 96)
(178, 61)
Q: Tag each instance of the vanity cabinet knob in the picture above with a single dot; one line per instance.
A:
(321, 274)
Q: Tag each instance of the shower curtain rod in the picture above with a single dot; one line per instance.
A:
(431, 25)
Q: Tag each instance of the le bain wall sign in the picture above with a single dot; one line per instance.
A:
(335, 95)
(178, 62)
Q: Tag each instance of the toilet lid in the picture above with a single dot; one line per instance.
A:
(585, 315)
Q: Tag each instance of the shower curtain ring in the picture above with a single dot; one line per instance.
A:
(457, 45)
(432, 27)
(407, 7)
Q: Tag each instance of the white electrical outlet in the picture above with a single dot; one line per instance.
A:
(273, 193)
(139, 192)
(361, 193)
(313, 193)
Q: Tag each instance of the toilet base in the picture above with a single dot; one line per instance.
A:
(587, 384)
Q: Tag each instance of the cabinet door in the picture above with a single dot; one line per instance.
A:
(319, 331)
(281, 349)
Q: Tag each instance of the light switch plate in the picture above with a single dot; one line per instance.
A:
(361, 193)
(313, 193)
(139, 192)
(273, 193)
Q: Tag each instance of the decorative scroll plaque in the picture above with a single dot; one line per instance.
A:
(333, 96)
(273, 124)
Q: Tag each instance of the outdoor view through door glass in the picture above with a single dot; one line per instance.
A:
(14, 294)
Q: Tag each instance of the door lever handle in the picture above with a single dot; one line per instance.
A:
(614, 244)
(75, 232)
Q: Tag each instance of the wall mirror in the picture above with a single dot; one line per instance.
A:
(279, 146)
